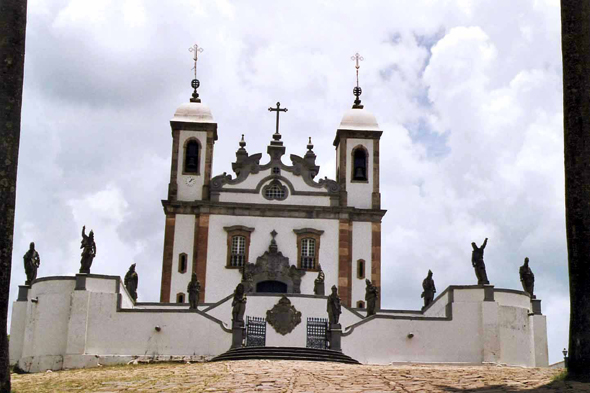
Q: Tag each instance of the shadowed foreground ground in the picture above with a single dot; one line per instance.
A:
(297, 376)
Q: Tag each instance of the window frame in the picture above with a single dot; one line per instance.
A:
(182, 254)
(238, 230)
(180, 295)
(275, 183)
(353, 166)
(359, 270)
(199, 152)
(308, 233)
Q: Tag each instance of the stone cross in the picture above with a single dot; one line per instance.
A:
(278, 109)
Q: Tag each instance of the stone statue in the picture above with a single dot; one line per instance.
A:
(239, 304)
(478, 264)
(194, 291)
(88, 247)
(429, 290)
(371, 294)
(527, 278)
(318, 287)
(131, 281)
(32, 262)
(334, 307)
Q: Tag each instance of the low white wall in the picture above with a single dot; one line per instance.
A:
(385, 339)
(69, 328)
(17, 331)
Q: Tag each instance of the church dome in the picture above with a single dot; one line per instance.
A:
(193, 112)
(359, 119)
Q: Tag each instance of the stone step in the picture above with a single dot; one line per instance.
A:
(285, 353)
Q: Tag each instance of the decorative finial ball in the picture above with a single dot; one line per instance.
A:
(357, 91)
(195, 83)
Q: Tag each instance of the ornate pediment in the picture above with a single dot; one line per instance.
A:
(273, 266)
(283, 317)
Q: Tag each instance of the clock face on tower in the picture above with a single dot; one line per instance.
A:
(191, 181)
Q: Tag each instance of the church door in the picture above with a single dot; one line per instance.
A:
(271, 286)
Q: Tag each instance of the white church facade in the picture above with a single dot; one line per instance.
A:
(270, 225)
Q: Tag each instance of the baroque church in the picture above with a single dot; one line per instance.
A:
(221, 226)
(283, 238)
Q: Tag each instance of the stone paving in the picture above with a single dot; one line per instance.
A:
(296, 376)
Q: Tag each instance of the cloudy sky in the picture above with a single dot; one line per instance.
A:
(468, 94)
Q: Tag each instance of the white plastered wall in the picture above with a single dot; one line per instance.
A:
(359, 194)
(194, 192)
(184, 235)
(222, 281)
(361, 249)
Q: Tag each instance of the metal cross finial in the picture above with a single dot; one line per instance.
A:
(357, 91)
(357, 58)
(196, 49)
(278, 109)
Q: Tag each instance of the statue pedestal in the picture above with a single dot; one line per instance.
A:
(237, 334)
(334, 337)
(319, 289)
(23, 293)
(536, 303)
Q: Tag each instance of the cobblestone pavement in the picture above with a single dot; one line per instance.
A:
(296, 376)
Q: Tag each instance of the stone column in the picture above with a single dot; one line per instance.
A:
(237, 333)
(335, 336)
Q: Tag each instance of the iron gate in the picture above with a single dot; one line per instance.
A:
(316, 333)
(255, 332)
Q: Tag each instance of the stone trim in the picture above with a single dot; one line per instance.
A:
(376, 259)
(200, 151)
(173, 185)
(219, 303)
(208, 165)
(376, 196)
(309, 233)
(195, 242)
(201, 251)
(191, 126)
(273, 210)
(275, 182)
(238, 230)
(167, 257)
(164, 311)
(342, 134)
(342, 170)
(52, 278)
(345, 262)
(354, 149)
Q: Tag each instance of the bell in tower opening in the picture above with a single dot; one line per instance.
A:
(360, 165)
(191, 162)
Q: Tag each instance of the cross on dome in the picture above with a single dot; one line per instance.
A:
(196, 49)
(357, 91)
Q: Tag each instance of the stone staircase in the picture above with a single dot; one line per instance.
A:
(285, 353)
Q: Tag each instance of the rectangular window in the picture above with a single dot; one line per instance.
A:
(238, 243)
(238, 251)
(308, 253)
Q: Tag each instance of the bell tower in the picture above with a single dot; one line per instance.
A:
(357, 173)
(357, 154)
(194, 132)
